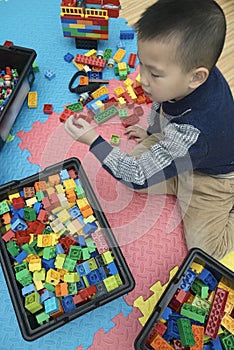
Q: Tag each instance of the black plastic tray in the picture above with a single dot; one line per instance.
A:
(195, 255)
(29, 327)
(19, 58)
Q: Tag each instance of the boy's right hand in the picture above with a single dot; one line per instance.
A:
(136, 131)
(80, 130)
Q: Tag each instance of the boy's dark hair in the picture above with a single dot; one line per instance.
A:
(199, 25)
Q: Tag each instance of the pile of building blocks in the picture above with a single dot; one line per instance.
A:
(200, 315)
(59, 253)
(87, 20)
(8, 80)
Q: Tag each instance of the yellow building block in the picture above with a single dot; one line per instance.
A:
(91, 53)
(119, 90)
(128, 82)
(79, 66)
(69, 184)
(52, 277)
(34, 263)
(196, 267)
(101, 106)
(131, 93)
(119, 55)
(138, 80)
(59, 188)
(122, 66)
(14, 195)
(32, 99)
(29, 202)
(64, 216)
(100, 92)
(122, 102)
(228, 323)
(44, 240)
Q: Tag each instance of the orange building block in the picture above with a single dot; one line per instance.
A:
(198, 333)
(160, 343)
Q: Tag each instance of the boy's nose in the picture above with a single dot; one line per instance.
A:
(144, 80)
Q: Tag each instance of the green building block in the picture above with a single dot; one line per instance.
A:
(107, 257)
(75, 107)
(202, 303)
(24, 277)
(75, 252)
(49, 253)
(13, 248)
(107, 54)
(110, 283)
(21, 267)
(115, 140)
(106, 115)
(69, 264)
(118, 279)
(72, 288)
(92, 264)
(80, 192)
(185, 332)
(42, 318)
(35, 67)
(40, 195)
(49, 286)
(199, 288)
(59, 261)
(71, 277)
(228, 342)
(4, 207)
(193, 312)
(29, 214)
(32, 302)
(39, 275)
(123, 75)
(123, 113)
(85, 254)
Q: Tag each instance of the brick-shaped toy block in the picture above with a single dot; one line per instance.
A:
(68, 57)
(130, 120)
(90, 61)
(119, 55)
(185, 331)
(100, 92)
(49, 75)
(32, 99)
(126, 34)
(48, 108)
(132, 60)
(106, 115)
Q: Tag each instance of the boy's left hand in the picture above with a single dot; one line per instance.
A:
(80, 130)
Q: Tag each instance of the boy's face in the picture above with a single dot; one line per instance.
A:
(161, 76)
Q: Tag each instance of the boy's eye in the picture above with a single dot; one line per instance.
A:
(155, 75)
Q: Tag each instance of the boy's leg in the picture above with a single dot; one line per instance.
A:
(165, 187)
(208, 215)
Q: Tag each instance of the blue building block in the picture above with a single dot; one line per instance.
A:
(83, 268)
(28, 289)
(166, 313)
(127, 34)
(101, 289)
(74, 212)
(21, 256)
(120, 45)
(93, 277)
(59, 249)
(68, 57)
(188, 280)
(37, 207)
(51, 305)
(102, 98)
(18, 225)
(68, 303)
(112, 268)
(216, 344)
(81, 241)
(64, 175)
(94, 75)
(49, 74)
(208, 278)
(80, 285)
(48, 264)
(102, 273)
(90, 228)
(46, 295)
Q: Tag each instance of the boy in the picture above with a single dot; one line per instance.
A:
(188, 148)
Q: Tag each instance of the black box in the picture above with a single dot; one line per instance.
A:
(158, 320)
(19, 58)
(99, 280)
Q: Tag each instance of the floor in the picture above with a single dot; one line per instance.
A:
(153, 245)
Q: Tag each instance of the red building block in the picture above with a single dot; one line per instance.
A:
(131, 120)
(18, 203)
(216, 313)
(65, 115)
(132, 60)
(90, 61)
(48, 108)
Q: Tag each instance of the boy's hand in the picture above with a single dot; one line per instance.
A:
(80, 130)
(136, 131)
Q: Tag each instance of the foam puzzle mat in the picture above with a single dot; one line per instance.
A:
(148, 229)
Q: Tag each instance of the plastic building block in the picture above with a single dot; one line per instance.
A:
(49, 75)
(130, 120)
(90, 61)
(198, 332)
(48, 108)
(193, 312)
(32, 302)
(119, 55)
(159, 343)
(100, 92)
(75, 107)
(119, 91)
(185, 331)
(228, 323)
(132, 60)
(32, 99)
(115, 140)
(216, 313)
(126, 34)
(207, 278)
(68, 57)
(106, 115)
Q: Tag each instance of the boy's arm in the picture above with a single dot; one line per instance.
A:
(163, 160)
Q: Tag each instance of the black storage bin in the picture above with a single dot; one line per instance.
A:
(161, 317)
(21, 59)
(106, 275)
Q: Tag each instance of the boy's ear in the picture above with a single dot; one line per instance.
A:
(198, 77)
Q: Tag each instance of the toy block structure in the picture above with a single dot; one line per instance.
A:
(87, 20)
